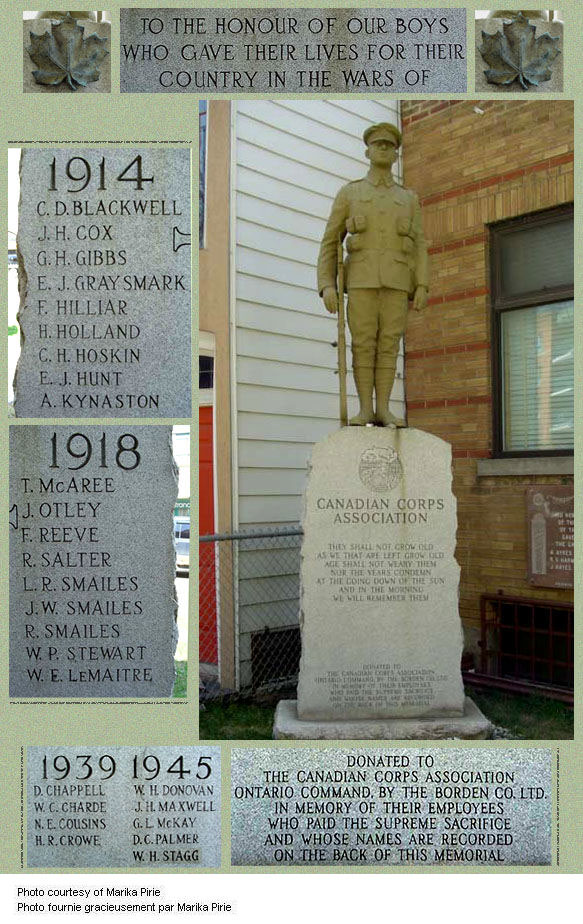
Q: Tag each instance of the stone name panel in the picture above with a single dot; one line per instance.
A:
(551, 530)
(381, 634)
(390, 807)
(104, 278)
(292, 51)
(121, 806)
(92, 561)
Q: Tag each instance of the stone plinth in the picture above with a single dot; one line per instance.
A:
(472, 725)
(381, 633)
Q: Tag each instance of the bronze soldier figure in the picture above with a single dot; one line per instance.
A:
(386, 264)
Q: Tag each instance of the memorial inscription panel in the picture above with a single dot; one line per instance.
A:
(381, 633)
(292, 50)
(390, 807)
(122, 806)
(550, 514)
(104, 278)
(92, 561)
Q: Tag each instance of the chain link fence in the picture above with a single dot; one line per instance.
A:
(249, 589)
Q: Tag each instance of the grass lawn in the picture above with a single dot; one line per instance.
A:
(526, 717)
(179, 691)
(239, 721)
(535, 717)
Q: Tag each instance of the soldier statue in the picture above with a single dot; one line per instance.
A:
(386, 265)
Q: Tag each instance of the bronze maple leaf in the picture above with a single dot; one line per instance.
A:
(516, 54)
(65, 54)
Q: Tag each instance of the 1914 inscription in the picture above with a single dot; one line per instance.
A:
(90, 615)
(104, 247)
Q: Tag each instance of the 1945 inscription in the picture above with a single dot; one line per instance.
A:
(120, 806)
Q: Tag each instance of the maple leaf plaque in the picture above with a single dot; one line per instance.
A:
(65, 54)
(516, 54)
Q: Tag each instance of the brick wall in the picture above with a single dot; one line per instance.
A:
(471, 163)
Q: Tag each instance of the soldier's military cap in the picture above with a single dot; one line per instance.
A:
(382, 130)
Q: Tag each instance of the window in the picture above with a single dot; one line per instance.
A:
(527, 641)
(205, 372)
(532, 272)
(182, 530)
(202, 120)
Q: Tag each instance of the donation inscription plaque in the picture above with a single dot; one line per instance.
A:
(390, 807)
(104, 278)
(92, 561)
(122, 806)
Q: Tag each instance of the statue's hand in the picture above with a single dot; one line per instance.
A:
(420, 298)
(330, 299)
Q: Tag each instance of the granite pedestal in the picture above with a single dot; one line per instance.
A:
(381, 632)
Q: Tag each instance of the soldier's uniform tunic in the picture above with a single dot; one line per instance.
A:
(387, 260)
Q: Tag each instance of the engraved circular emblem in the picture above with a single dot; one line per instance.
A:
(380, 468)
(538, 499)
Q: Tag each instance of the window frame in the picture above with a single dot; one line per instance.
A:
(203, 173)
(203, 354)
(499, 304)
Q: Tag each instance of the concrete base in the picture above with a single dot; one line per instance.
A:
(471, 725)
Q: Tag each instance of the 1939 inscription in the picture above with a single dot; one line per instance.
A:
(118, 806)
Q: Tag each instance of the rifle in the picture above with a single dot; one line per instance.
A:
(341, 335)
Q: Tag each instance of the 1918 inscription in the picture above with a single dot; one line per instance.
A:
(90, 615)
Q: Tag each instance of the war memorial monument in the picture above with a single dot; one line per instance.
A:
(381, 632)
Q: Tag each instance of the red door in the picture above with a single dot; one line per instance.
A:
(207, 595)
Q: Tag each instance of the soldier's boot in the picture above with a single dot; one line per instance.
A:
(364, 378)
(384, 378)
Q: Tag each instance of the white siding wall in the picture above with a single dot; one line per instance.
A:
(290, 159)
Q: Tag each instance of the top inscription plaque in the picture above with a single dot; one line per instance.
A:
(292, 50)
